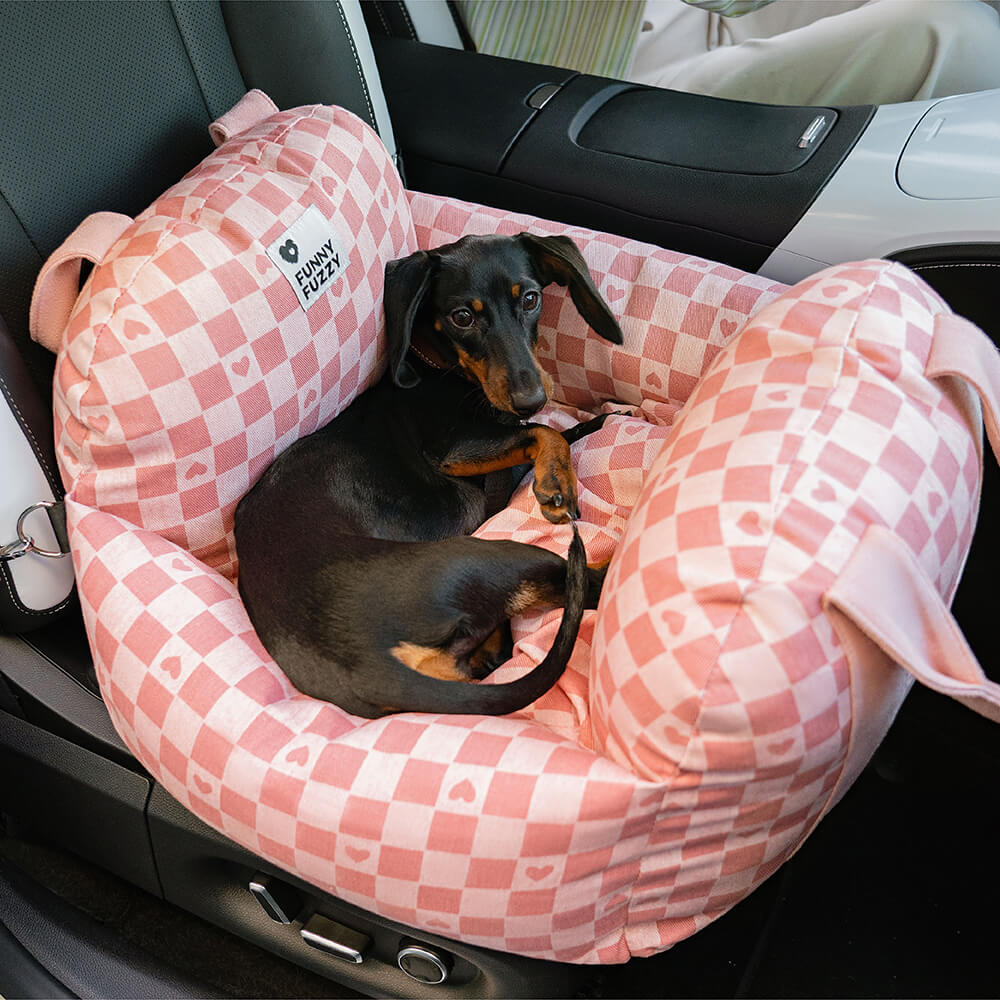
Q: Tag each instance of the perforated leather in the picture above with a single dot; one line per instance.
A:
(103, 106)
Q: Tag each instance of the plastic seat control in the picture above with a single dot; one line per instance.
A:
(277, 899)
(335, 939)
(423, 963)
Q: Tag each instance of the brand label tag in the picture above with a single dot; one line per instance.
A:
(310, 255)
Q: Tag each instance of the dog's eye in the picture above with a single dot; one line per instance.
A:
(462, 318)
(530, 300)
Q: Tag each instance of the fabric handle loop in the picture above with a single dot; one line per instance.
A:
(58, 284)
(884, 591)
(251, 109)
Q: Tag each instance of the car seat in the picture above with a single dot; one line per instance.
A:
(623, 798)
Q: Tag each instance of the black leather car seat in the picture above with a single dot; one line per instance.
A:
(104, 105)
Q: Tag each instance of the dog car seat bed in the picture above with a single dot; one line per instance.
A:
(773, 451)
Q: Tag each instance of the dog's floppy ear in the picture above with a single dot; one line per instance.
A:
(406, 283)
(557, 258)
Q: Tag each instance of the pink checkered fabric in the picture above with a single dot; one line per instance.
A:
(704, 723)
(188, 364)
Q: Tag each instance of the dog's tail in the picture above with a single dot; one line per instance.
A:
(409, 691)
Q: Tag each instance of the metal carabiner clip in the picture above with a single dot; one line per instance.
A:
(25, 543)
(14, 550)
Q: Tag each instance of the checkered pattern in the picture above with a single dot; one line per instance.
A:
(676, 312)
(704, 723)
(188, 363)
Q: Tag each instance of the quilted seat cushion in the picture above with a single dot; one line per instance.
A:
(705, 721)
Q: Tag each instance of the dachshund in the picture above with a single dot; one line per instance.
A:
(355, 564)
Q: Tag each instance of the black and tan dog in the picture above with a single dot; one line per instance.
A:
(355, 567)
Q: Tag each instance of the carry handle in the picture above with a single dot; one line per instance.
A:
(885, 592)
(58, 284)
(253, 107)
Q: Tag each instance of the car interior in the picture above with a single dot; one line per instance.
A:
(108, 886)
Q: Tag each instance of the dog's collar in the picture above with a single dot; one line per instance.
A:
(430, 362)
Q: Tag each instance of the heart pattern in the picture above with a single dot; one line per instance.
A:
(750, 523)
(172, 665)
(241, 367)
(196, 470)
(674, 735)
(824, 493)
(536, 874)
(300, 756)
(357, 854)
(675, 621)
(464, 790)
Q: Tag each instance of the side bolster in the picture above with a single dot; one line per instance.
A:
(676, 312)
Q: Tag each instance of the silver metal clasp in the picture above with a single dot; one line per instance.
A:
(25, 544)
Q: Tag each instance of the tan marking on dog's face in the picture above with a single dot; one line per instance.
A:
(428, 661)
(477, 305)
(493, 383)
(547, 383)
(515, 291)
(437, 325)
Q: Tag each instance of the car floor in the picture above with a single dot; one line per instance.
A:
(890, 897)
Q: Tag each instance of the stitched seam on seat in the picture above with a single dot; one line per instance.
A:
(13, 211)
(938, 267)
(406, 18)
(187, 52)
(33, 441)
(357, 63)
(381, 16)
(19, 605)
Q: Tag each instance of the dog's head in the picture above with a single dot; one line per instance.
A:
(474, 305)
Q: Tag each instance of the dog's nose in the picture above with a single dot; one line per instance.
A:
(528, 397)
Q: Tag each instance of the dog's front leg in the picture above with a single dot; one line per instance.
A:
(546, 450)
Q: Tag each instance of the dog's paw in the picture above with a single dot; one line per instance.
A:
(556, 496)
